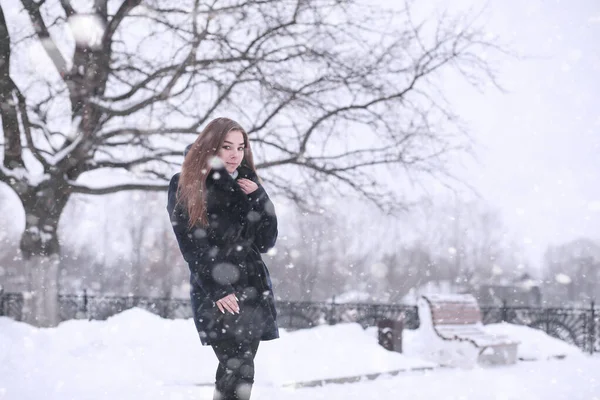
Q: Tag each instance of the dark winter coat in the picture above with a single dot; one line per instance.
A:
(225, 257)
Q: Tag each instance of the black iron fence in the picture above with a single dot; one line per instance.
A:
(578, 326)
(11, 305)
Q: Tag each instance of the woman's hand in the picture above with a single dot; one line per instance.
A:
(229, 303)
(247, 185)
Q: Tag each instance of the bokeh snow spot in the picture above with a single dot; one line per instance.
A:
(225, 274)
(87, 30)
(379, 270)
(199, 233)
(234, 363)
(563, 279)
(215, 162)
(243, 390)
(253, 216)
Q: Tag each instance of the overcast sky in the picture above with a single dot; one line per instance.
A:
(538, 144)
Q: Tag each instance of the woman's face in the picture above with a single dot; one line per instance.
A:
(232, 150)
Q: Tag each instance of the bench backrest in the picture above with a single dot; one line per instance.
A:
(453, 309)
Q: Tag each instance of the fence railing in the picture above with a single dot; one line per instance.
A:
(578, 326)
(11, 305)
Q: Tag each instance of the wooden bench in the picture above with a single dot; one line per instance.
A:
(454, 335)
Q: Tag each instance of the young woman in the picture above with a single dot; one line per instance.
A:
(223, 220)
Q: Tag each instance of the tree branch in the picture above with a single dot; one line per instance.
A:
(101, 8)
(75, 188)
(33, 9)
(114, 23)
(298, 75)
(13, 157)
(158, 157)
(166, 91)
(66, 5)
(27, 129)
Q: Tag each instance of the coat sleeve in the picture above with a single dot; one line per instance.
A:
(202, 258)
(263, 212)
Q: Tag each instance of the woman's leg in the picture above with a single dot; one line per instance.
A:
(235, 373)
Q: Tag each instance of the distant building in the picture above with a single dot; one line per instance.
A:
(523, 291)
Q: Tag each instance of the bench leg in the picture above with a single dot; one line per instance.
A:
(506, 354)
(464, 355)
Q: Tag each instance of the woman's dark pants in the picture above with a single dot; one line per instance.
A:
(235, 373)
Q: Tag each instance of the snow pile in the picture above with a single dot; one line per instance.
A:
(137, 354)
(328, 352)
(140, 348)
(535, 344)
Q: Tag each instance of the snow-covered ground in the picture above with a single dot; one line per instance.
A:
(137, 355)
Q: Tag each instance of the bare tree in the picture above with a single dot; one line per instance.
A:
(458, 243)
(312, 80)
(322, 255)
(470, 239)
(156, 264)
(404, 269)
(167, 269)
(138, 230)
(306, 258)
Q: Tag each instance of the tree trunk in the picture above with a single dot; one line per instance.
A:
(41, 301)
(41, 257)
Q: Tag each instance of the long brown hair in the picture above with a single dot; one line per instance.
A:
(191, 191)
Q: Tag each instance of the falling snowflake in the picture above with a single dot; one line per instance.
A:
(87, 30)
(594, 205)
(379, 270)
(215, 162)
(563, 279)
(225, 274)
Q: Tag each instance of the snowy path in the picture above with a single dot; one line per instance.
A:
(568, 379)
